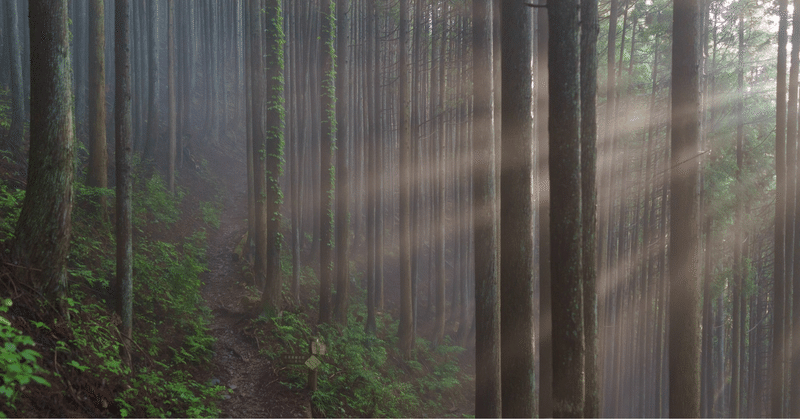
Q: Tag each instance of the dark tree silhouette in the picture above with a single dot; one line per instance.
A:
(684, 293)
(516, 235)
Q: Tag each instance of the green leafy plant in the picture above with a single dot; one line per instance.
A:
(153, 203)
(10, 206)
(18, 363)
(212, 213)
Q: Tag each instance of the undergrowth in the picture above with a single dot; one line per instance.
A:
(363, 374)
(171, 336)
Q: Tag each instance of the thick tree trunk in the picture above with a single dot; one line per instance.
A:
(684, 293)
(274, 123)
(44, 225)
(516, 235)
(565, 210)
(485, 221)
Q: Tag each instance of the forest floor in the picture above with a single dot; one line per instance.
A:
(237, 364)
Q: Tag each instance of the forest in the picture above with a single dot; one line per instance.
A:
(399, 208)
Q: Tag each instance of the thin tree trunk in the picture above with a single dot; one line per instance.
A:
(405, 330)
(327, 142)
(16, 129)
(344, 143)
(543, 192)
(171, 86)
(588, 156)
(123, 283)
(779, 287)
(97, 175)
(152, 108)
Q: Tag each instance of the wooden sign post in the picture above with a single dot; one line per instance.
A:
(311, 361)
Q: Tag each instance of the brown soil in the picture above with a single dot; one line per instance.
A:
(237, 364)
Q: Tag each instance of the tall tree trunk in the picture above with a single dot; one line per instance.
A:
(327, 76)
(380, 174)
(588, 79)
(545, 379)
(344, 144)
(97, 175)
(295, 152)
(516, 235)
(440, 234)
(123, 127)
(248, 119)
(792, 360)
(405, 330)
(738, 271)
(171, 86)
(684, 295)
(14, 47)
(779, 287)
(274, 39)
(152, 108)
(44, 225)
(259, 143)
(371, 184)
(565, 209)
(485, 221)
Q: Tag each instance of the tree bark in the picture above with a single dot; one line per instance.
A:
(516, 235)
(44, 226)
(738, 271)
(344, 144)
(405, 330)
(588, 157)
(16, 130)
(779, 287)
(565, 209)
(97, 175)
(274, 151)
(123, 126)
(485, 221)
(171, 94)
(259, 143)
(545, 332)
(152, 108)
(327, 76)
(684, 294)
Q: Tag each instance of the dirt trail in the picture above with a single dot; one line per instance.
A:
(237, 364)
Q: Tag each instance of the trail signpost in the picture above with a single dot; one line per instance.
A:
(311, 361)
